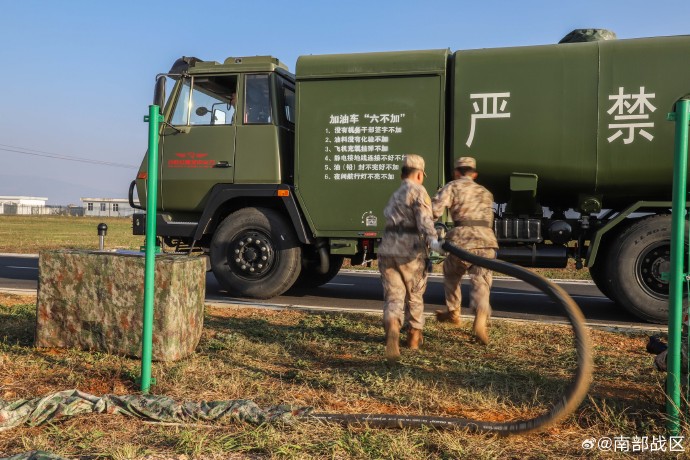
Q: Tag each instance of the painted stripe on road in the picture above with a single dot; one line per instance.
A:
(349, 271)
(19, 291)
(593, 297)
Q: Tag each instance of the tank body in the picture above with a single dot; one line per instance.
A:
(589, 119)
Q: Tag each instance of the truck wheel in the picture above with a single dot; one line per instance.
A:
(635, 264)
(310, 278)
(599, 273)
(255, 253)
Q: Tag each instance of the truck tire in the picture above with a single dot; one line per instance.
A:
(310, 278)
(635, 264)
(599, 272)
(255, 253)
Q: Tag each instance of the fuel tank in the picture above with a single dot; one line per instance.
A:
(586, 118)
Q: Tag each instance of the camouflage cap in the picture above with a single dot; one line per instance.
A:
(413, 161)
(466, 162)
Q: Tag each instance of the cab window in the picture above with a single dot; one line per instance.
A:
(257, 100)
(206, 101)
(289, 99)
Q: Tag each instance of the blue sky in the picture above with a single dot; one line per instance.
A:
(78, 75)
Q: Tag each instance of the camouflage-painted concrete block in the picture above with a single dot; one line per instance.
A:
(95, 301)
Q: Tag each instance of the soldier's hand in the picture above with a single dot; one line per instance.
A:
(436, 246)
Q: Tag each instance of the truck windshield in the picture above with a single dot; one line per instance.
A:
(206, 101)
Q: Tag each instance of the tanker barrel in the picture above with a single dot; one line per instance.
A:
(536, 255)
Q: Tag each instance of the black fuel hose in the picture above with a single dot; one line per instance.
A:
(565, 405)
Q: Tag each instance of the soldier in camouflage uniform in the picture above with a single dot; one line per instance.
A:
(471, 208)
(402, 256)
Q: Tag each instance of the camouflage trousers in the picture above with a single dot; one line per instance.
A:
(404, 283)
(480, 278)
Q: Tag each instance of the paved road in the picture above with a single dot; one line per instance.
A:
(352, 290)
(18, 271)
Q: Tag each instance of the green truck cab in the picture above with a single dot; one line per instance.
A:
(279, 177)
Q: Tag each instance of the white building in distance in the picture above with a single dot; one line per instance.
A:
(107, 207)
(23, 205)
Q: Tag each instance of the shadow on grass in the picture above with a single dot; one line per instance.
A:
(17, 335)
(352, 346)
(18, 325)
(328, 350)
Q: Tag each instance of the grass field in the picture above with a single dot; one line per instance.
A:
(334, 363)
(30, 234)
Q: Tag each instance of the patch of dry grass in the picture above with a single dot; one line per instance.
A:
(334, 362)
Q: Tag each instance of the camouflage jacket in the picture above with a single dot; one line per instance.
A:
(471, 208)
(409, 222)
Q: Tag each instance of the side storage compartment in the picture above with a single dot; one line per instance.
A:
(357, 116)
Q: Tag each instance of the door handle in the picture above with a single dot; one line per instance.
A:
(222, 164)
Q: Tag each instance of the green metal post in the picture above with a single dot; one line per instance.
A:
(675, 313)
(154, 118)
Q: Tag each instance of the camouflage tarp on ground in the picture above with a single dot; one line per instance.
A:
(155, 408)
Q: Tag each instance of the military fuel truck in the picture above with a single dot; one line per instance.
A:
(279, 177)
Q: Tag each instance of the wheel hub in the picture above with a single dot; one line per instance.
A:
(252, 255)
(651, 266)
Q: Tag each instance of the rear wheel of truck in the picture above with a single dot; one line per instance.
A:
(311, 278)
(255, 253)
(600, 272)
(635, 264)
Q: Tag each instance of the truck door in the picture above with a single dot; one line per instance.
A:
(198, 150)
(257, 153)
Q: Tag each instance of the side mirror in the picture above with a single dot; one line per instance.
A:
(159, 92)
(201, 111)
